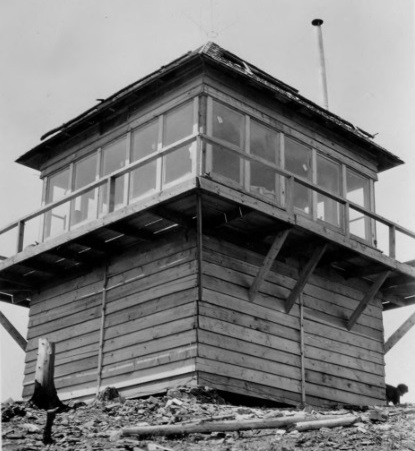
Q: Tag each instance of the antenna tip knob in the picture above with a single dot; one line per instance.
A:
(317, 22)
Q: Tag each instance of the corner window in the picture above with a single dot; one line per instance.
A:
(84, 207)
(298, 160)
(264, 143)
(328, 178)
(114, 157)
(358, 192)
(144, 142)
(178, 124)
(56, 220)
(227, 124)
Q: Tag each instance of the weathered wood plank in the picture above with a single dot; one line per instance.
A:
(153, 331)
(253, 336)
(233, 385)
(248, 362)
(149, 347)
(248, 321)
(247, 375)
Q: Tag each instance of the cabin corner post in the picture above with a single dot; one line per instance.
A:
(102, 328)
(199, 239)
(302, 351)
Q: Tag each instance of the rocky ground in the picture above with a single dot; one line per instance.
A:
(101, 425)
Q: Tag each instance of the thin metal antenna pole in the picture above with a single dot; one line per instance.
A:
(317, 23)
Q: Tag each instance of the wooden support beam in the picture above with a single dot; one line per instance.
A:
(228, 216)
(128, 230)
(14, 333)
(371, 293)
(364, 271)
(176, 218)
(304, 276)
(269, 260)
(399, 333)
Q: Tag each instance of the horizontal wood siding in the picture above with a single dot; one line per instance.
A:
(149, 336)
(254, 348)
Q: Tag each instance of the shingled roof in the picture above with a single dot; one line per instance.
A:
(224, 60)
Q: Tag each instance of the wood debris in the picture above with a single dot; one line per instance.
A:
(100, 424)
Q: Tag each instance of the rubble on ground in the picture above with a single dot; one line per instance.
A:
(99, 425)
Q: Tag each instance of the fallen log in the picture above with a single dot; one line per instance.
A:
(225, 426)
(346, 420)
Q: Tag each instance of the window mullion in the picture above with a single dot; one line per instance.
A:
(246, 165)
(314, 181)
(160, 169)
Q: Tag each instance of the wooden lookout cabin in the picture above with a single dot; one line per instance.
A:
(208, 225)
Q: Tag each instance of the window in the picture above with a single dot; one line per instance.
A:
(84, 207)
(226, 125)
(114, 157)
(56, 220)
(328, 178)
(144, 143)
(178, 164)
(178, 124)
(358, 192)
(298, 160)
(264, 143)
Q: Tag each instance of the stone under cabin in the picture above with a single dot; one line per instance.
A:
(208, 225)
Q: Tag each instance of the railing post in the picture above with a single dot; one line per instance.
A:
(392, 241)
(20, 235)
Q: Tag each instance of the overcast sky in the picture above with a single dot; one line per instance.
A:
(59, 56)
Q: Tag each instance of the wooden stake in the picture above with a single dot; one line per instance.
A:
(45, 395)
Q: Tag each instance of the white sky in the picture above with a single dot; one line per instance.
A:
(59, 56)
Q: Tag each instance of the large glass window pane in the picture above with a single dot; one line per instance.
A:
(264, 143)
(84, 207)
(143, 180)
(226, 164)
(56, 220)
(358, 192)
(114, 157)
(227, 124)
(144, 140)
(298, 160)
(178, 124)
(328, 178)
(178, 164)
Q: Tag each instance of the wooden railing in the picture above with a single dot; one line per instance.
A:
(287, 203)
(347, 205)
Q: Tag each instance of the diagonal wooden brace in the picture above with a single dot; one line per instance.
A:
(14, 333)
(367, 298)
(304, 276)
(399, 333)
(269, 260)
